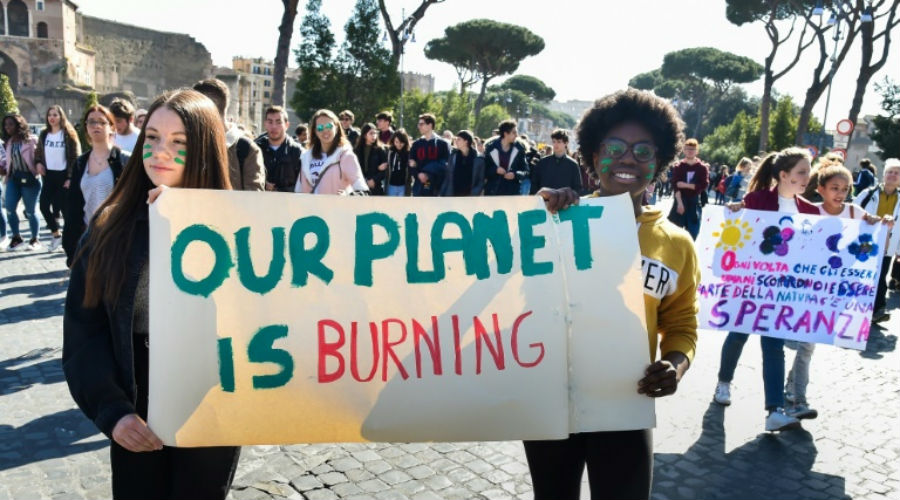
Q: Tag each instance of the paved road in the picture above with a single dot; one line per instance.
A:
(49, 450)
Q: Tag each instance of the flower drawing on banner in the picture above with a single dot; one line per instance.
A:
(776, 240)
(831, 243)
(732, 234)
(863, 247)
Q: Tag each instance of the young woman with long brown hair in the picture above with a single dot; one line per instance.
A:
(57, 149)
(106, 322)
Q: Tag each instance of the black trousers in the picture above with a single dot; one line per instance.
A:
(171, 473)
(53, 196)
(619, 464)
(881, 291)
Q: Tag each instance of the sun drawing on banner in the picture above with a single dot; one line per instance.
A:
(733, 234)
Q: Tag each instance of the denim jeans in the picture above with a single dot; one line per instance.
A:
(773, 365)
(396, 190)
(2, 216)
(29, 195)
(798, 377)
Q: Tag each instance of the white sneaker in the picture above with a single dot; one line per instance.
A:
(55, 242)
(4, 242)
(34, 244)
(779, 421)
(723, 393)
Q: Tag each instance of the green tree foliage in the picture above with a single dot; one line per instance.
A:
(370, 79)
(8, 104)
(729, 142)
(486, 48)
(317, 85)
(456, 110)
(783, 125)
(706, 75)
(90, 101)
(442, 49)
(415, 103)
(647, 81)
(531, 86)
(490, 118)
(361, 78)
(886, 133)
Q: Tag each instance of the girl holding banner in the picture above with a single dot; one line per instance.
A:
(628, 138)
(777, 185)
(106, 319)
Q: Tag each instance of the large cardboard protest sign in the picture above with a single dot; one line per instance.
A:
(793, 276)
(283, 318)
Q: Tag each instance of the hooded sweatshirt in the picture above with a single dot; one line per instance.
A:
(670, 276)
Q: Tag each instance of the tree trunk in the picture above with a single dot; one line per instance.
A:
(866, 69)
(812, 97)
(480, 101)
(408, 24)
(285, 32)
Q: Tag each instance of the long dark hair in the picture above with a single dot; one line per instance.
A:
(340, 139)
(401, 134)
(767, 174)
(112, 229)
(361, 140)
(64, 124)
(21, 132)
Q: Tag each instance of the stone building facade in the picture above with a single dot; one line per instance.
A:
(52, 54)
(249, 82)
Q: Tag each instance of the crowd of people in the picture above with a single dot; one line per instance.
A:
(630, 142)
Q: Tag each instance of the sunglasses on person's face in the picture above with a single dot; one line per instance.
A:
(324, 126)
(615, 148)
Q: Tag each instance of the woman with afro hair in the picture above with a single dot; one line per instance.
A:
(626, 140)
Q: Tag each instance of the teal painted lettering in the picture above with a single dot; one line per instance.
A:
(441, 245)
(366, 250)
(220, 270)
(493, 230)
(259, 284)
(226, 365)
(413, 273)
(260, 350)
(306, 261)
(579, 215)
(529, 243)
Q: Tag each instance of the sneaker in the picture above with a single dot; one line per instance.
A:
(55, 242)
(34, 244)
(723, 393)
(802, 411)
(893, 284)
(779, 421)
(4, 242)
(877, 317)
(15, 244)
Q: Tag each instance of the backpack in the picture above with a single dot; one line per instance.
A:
(723, 183)
(869, 195)
(243, 150)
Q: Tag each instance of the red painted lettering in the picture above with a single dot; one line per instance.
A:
(434, 346)
(515, 343)
(496, 349)
(387, 347)
(327, 349)
(354, 356)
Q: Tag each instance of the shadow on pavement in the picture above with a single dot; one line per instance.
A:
(47, 437)
(772, 466)
(15, 378)
(49, 275)
(878, 343)
(39, 309)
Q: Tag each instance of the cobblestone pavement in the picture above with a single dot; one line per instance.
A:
(702, 450)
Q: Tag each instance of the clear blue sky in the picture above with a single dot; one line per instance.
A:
(593, 47)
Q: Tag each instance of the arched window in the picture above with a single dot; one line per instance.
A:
(18, 18)
(42, 30)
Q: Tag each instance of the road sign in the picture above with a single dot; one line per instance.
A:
(842, 152)
(844, 127)
(813, 151)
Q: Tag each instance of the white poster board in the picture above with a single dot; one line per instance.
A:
(282, 318)
(792, 276)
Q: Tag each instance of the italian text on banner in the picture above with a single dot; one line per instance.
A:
(793, 276)
(282, 318)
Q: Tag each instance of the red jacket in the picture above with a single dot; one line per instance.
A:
(767, 199)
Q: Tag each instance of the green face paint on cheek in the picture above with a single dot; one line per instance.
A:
(148, 151)
(181, 155)
(652, 167)
(606, 162)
